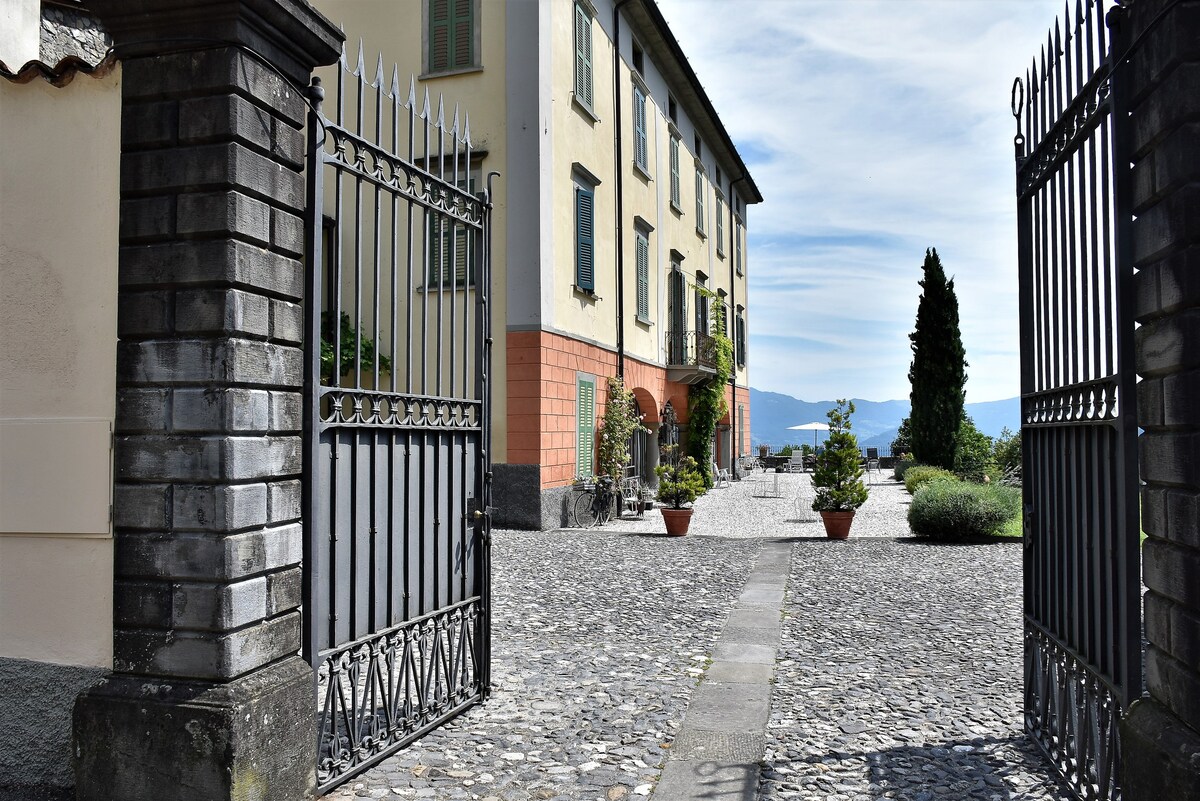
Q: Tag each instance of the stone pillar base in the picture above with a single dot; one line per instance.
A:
(1160, 755)
(149, 739)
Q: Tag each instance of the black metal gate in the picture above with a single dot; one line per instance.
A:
(1082, 578)
(397, 467)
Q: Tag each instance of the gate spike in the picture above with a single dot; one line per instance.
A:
(378, 82)
(1058, 51)
(411, 103)
(1078, 15)
(454, 131)
(361, 69)
(343, 60)
(441, 120)
(466, 138)
(426, 112)
(394, 89)
(1044, 48)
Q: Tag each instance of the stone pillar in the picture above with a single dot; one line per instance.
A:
(208, 698)
(1161, 733)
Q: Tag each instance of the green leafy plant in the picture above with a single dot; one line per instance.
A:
(1007, 454)
(362, 347)
(957, 510)
(621, 419)
(837, 476)
(920, 474)
(706, 400)
(973, 459)
(680, 482)
(902, 443)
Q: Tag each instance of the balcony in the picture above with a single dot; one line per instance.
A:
(691, 357)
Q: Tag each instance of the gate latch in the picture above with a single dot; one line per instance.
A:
(1027, 526)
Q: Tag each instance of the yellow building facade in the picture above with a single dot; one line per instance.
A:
(619, 222)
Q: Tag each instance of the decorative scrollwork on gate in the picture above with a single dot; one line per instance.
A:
(380, 693)
(366, 408)
(1073, 717)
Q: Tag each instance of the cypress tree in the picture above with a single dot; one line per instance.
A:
(938, 372)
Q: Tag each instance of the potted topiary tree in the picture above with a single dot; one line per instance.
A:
(679, 484)
(837, 476)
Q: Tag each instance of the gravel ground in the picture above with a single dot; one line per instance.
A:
(899, 672)
(899, 676)
(599, 638)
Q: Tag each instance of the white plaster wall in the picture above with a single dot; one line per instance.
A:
(20, 31)
(59, 171)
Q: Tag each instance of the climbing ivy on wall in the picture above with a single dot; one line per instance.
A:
(706, 401)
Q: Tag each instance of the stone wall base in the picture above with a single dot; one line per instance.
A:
(35, 740)
(521, 503)
(145, 739)
(1160, 755)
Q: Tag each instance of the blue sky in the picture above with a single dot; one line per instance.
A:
(875, 129)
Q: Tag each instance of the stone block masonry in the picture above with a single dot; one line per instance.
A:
(208, 699)
(1161, 732)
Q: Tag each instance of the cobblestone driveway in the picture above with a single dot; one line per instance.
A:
(899, 669)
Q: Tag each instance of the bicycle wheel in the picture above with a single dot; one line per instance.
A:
(603, 507)
(583, 510)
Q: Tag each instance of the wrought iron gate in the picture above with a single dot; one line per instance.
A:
(1082, 578)
(397, 468)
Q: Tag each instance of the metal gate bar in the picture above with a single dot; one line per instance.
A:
(396, 486)
(1082, 576)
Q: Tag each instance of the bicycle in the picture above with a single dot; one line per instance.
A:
(593, 502)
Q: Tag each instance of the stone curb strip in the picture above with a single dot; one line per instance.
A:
(717, 753)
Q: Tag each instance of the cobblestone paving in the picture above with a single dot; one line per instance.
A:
(899, 676)
(599, 639)
(899, 673)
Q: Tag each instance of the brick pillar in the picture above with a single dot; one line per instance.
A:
(208, 699)
(1161, 733)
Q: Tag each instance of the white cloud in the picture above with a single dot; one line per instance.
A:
(875, 129)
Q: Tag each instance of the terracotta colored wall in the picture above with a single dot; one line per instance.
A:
(541, 389)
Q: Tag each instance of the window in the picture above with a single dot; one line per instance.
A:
(677, 300)
(672, 110)
(585, 425)
(642, 246)
(737, 246)
(639, 60)
(723, 318)
(583, 56)
(701, 304)
(640, 154)
(699, 199)
(740, 336)
(585, 257)
(719, 210)
(453, 247)
(699, 152)
(451, 44)
(675, 174)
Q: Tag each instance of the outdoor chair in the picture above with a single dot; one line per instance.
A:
(720, 476)
(872, 463)
(796, 463)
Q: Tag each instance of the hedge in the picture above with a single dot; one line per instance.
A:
(957, 510)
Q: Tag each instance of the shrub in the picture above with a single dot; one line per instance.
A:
(973, 453)
(920, 474)
(956, 510)
(901, 468)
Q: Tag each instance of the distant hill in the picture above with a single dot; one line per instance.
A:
(875, 422)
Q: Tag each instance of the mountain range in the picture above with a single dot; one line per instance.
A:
(875, 422)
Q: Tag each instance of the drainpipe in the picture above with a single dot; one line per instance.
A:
(620, 205)
(733, 419)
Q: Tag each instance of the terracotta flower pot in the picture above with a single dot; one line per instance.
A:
(837, 524)
(677, 521)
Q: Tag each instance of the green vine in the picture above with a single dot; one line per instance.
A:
(706, 401)
(355, 346)
(618, 424)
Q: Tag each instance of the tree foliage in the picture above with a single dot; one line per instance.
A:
(838, 474)
(706, 401)
(973, 453)
(938, 372)
(621, 419)
(903, 441)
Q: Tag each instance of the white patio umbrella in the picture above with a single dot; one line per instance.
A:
(813, 427)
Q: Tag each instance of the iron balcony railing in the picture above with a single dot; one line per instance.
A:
(691, 349)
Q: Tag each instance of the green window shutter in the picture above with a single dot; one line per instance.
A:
(583, 56)
(699, 200)
(451, 34)
(737, 246)
(643, 277)
(675, 170)
(585, 267)
(452, 249)
(585, 432)
(720, 212)
(639, 128)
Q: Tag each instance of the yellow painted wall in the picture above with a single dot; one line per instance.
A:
(59, 170)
